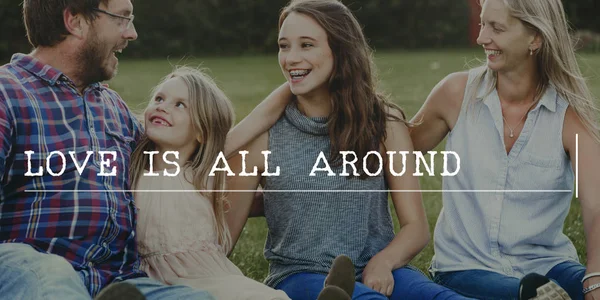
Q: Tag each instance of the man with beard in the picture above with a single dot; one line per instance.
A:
(69, 236)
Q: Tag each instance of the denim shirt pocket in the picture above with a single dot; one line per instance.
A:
(539, 160)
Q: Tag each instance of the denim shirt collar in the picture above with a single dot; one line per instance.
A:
(548, 99)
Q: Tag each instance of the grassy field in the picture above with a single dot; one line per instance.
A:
(407, 76)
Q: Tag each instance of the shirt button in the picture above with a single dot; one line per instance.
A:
(90, 264)
(105, 245)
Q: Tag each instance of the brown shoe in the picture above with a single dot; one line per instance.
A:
(333, 292)
(342, 274)
(120, 291)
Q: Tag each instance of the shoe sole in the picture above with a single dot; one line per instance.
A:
(342, 274)
(551, 291)
(333, 292)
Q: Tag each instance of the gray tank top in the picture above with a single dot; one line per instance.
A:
(307, 230)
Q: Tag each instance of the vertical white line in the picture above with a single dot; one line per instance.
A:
(576, 165)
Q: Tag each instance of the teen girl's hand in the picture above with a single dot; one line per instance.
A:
(377, 275)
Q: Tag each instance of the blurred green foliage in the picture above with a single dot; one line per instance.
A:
(234, 27)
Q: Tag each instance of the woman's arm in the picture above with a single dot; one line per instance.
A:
(588, 165)
(414, 228)
(259, 120)
(439, 112)
(241, 202)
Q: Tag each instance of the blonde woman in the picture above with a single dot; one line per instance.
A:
(513, 121)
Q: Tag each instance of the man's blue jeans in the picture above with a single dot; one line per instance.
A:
(488, 285)
(28, 274)
(409, 283)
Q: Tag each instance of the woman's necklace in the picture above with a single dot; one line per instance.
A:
(511, 129)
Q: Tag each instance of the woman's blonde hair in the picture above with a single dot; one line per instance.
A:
(212, 117)
(556, 59)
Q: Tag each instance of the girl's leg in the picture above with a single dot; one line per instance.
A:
(302, 286)
(307, 286)
(410, 283)
(569, 275)
(480, 284)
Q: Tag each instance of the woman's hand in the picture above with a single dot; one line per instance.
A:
(377, 275)
(595, 294)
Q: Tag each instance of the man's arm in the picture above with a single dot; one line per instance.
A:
(132, 119)
(6, 132)
(137, 127)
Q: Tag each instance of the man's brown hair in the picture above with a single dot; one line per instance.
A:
(44, 18)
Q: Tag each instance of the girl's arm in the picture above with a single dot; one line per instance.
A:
(439, 113)
(414, 228)
(259, 120)
(241, 202)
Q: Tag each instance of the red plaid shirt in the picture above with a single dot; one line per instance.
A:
(87, 218)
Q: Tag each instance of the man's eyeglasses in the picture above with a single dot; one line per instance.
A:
(129, 19)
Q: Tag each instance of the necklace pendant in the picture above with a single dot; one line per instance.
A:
(511, 135)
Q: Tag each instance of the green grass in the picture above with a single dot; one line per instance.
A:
(407, 76)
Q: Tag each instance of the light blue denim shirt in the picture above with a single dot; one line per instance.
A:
(505, 232)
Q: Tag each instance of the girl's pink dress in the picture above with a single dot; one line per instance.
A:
(178, 243)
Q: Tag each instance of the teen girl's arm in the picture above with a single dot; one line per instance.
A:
(259, 120)
(439, 113)
(414, 233)
(241, 202)
(588, 164)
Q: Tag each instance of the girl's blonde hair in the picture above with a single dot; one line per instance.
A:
(556, 59)
(212, 117)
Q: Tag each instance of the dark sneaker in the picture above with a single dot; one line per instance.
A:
(342, 274)
(537, 287)
(333, 292)
(120, 291)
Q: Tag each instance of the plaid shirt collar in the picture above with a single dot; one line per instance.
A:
(43, 71)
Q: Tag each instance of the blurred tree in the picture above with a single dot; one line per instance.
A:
(583, 14)
(233, 27)
(12, 30)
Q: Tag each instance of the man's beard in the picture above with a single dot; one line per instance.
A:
(92, 60)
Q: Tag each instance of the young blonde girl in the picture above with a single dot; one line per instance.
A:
(182, 235)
